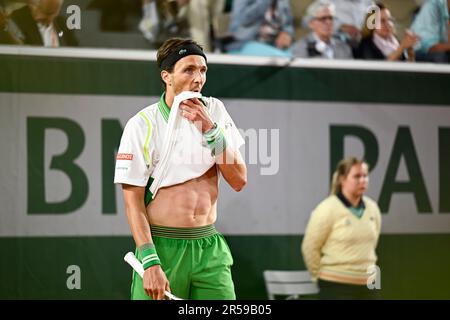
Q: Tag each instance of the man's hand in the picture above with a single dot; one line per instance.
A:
(283, 41)
(194, 111)
(409, 40)
(155, 282)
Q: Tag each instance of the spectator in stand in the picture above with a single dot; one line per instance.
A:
(350, 18)
(7, 34)
(381, 43)
(320, 43)
(196, 19)
(432, 26)
(262, 27)
(163, 19)
(203, 20)
(40, 24)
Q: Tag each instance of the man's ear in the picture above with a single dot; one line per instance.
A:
(165, 76)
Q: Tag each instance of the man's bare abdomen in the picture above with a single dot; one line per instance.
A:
(189, 204)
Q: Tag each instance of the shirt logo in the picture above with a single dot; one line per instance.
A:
(182, 51)
(124, 156)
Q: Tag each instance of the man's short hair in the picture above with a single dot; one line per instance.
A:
(317, 6)
(167, 56)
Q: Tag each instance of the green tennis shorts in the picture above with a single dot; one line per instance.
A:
(197, 263)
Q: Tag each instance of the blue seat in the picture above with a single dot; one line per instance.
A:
(254, 48)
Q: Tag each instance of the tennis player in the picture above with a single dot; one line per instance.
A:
(173, 225)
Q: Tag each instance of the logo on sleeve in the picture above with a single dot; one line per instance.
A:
(124, 156)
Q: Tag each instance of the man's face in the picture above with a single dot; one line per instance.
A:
(189, 74)
(322, 23)
(45, 11)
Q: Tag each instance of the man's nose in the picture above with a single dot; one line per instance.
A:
(198, 77)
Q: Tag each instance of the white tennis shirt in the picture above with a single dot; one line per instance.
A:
(143, 139)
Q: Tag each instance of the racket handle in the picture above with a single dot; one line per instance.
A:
(131, 259)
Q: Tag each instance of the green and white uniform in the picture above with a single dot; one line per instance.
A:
(138, 155)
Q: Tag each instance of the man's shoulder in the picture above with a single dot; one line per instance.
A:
(212, 101)
(302, 42)
(300, 47)
(213, 104)
(338, 41)
(150, 109)
(22, 15)
(343, 47)
(144, 116)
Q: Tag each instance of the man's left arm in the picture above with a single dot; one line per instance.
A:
(233, 168)
(229, 160)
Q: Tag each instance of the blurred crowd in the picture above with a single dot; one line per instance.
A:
(336, 29)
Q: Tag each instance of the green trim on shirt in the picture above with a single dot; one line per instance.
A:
(148, 196)
(163, 108)
(147, 138)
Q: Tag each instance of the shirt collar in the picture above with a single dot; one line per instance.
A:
(317, 39)
(163, 108)
(347, 203)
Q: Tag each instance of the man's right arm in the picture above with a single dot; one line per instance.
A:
(155, 281)
(133, 169)
(136, 213)
(440, 47)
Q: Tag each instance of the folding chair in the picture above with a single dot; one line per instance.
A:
(292, 284)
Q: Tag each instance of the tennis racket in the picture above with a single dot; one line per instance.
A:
(131, 259)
